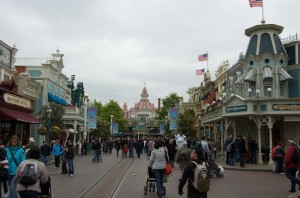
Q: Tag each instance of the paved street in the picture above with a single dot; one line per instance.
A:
(236, 183)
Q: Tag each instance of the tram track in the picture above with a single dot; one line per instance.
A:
(109, 184)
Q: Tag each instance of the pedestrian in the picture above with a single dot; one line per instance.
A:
(158, 159)
(253, 151)
(231, 152)
(139, 147)
(96, 149)
(29, 146)
(15, 155)
(70, 152)
(279, 157)
(110, 146)
(32, 191)
(45, 151)
(183, 156)
(57, 151)
(188, 175)
(64, 169)
(3, 170)
(291, 165)
(125, 150)
(117, 146)
(131, 144)
(171, 152)
(227, 142)
(150, 145)
(241, 149)
(205, 146)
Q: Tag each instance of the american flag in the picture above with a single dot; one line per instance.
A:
(203, 57)
(200, 72)
(256, 3)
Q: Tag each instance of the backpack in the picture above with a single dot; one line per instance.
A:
(28, 175)
(201, 178)
(296, 156)
(228, 148)
(274, 152)
(184, 155)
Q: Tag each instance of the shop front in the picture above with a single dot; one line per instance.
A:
(16, 117)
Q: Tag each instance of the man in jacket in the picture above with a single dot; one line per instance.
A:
(45, 150)
(291, 165)
(188, 174)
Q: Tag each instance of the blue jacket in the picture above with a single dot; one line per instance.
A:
(18, 154)
(57, 150)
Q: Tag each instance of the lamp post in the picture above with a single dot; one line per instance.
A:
(111, 122)
(85, 104)
(199, 122)
(48, 115)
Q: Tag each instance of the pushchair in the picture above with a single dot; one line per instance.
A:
(46, 190)
(150, 182)
(214, 169)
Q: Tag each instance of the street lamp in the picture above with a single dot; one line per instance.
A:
(48, 116)
(111, 122)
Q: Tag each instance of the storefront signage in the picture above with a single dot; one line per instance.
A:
(292, 118)
(16, 100)
(236, 109)
(286, 107)
(30, 92)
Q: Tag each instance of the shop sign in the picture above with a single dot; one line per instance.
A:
(292, 118)
(286, 107)
(236, 109)
(16, 100)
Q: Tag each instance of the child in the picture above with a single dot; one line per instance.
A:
(64, 164)
(125, 150)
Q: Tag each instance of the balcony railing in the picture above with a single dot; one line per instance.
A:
(289, 39)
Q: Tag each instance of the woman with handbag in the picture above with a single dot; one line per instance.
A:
(158, 160)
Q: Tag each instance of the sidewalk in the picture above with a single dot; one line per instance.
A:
(248, 167)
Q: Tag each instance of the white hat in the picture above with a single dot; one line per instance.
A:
(31, 139)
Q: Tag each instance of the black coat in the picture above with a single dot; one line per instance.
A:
(45, 150)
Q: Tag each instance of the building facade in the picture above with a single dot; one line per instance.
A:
(260, 97)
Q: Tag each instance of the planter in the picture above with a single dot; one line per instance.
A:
(42, 130)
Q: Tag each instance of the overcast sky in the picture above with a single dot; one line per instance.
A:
(114, 46)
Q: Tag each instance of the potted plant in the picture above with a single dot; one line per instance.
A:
(42, 130)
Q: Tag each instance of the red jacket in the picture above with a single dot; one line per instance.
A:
(289, 163)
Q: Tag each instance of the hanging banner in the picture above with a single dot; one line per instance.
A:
(173, 114)
(115, 127)
(161, 129)
(92, 118)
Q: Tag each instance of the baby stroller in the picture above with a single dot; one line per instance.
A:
(46, 190)
(214, 169)
(150, 182)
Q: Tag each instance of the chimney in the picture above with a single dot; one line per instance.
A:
(158, 106)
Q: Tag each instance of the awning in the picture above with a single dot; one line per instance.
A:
(240, 79)
(250, 76)
(56, 99)
(11, 115)
(267, 72)
(284, 75)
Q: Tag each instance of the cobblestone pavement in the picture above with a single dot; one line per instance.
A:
(235, 184)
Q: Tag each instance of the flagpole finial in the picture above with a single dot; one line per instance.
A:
(263, 21)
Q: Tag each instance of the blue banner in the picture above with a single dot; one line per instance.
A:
(92, 118)
(115, 128)
(161, 129)
(173, 113)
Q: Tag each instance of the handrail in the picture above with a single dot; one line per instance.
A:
(292, 38)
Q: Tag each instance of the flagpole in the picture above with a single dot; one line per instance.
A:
(263, 17)
(207, 61)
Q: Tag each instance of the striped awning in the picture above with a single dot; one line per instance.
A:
(250, 76)
(284, 75)
(267, 72)
(240, 79)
